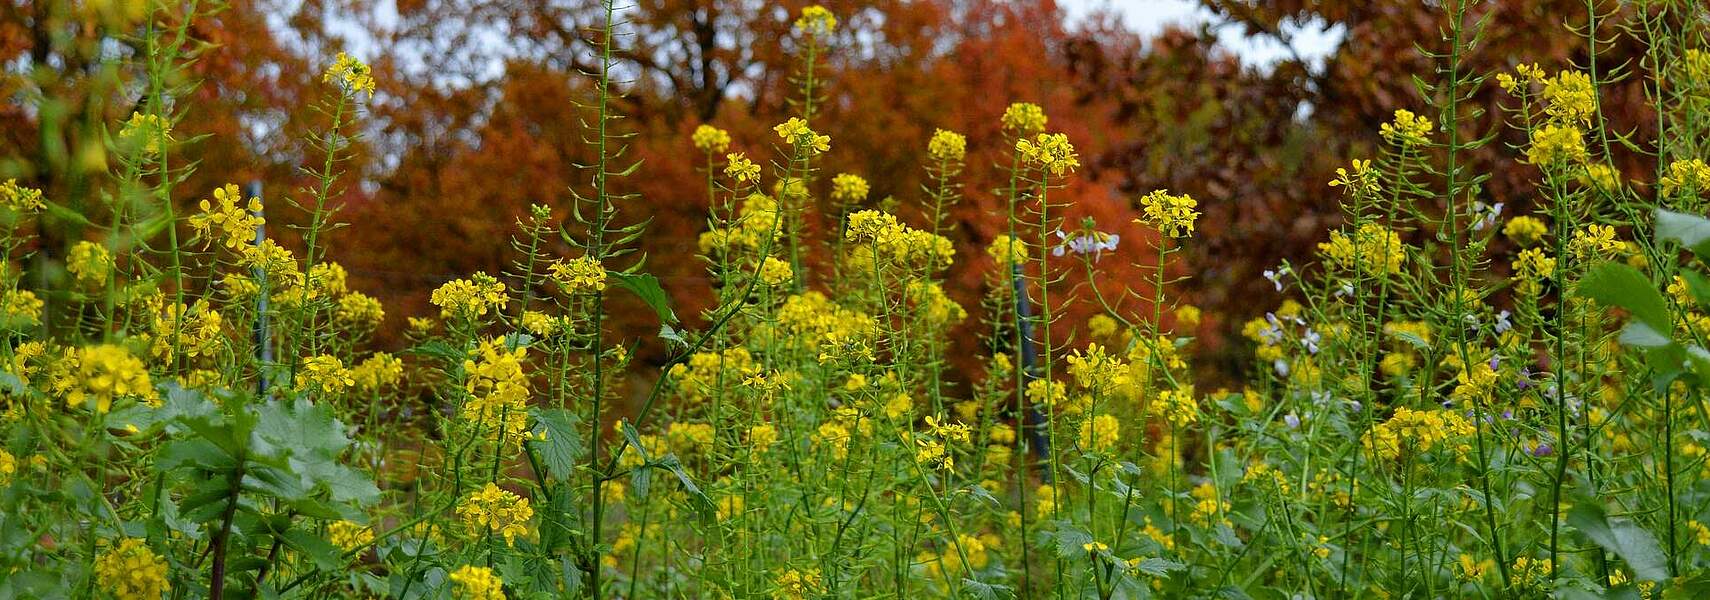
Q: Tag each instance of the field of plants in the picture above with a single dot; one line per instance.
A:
(1449, 400)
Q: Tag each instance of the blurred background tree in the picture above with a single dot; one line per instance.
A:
(477, 118)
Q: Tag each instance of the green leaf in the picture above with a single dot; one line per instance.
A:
(1637, 547)
(557, 441)
(1691, 231)
(703, 504)
(326, 556)
(1616, 284)
(1159, 567)
(646, 286)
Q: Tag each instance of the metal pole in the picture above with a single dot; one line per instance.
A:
(263, 338)
(1033, 421)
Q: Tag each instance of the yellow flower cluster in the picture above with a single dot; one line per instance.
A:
(738, 167)
(348, 535)
(1531, 268)
(477, 583)
(1530, 572)
(899, 244)
(197, 330)
(1416, 431)
(18, 198)
(1372, 250)
(132, 571)
(1600, 177)
(949, 561)
(934, 306)
(379, 372)
(797, 584)
(1570, 97)
(816, 21)
(947, 146)
(1556, 144)
(1051, 152)
(103, 373)
(492, 509)
(8, 466)
(849, 187)
(1096, 371)
(89, 264)
(689, 438)
(1525, 230)
(756, 228)
(1363, 179)
(498, 391)
(1170, 214)
(1100, 433)
(1594, 242)
(1179, 405)
(710, 140)
(776, 272)
(351, 75)
(581, 275)
(325, 374)
(228, 217)
(811, 318)
(359, 311)
(1007, 251)
(702, 375)
(146, 133)
(1692, 175)
(796, 133)
(469, 298)
(1407, 129)
(1024, 118)
(21, 307)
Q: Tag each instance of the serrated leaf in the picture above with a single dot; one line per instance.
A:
(646, 286)
(1691, 231)
(557, 441)
(1616, 284)
(326, 556)
(1159, 567)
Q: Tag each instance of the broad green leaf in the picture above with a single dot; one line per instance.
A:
(326, 556)
(557, 441)
(1637, 547)
(703, 504)
(1616, 284)
(646, 286)
(1691, 231)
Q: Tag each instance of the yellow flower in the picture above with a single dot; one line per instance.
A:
(498, 391)
(947, 146)
(711, 139)
(8, 466)
(1007, 251)
(228, 217)
(775, 272)
(1101, 326)
(132, 571)
(849, 187)
(349, 536)
(1179, 405)
(146, 133)
(583, 275)
(351, 75)
(1571, 97)
(1171, 215)
(21, 307)
(1690, 175)
(1524, 230)
(738, 167)
(89, 264)
(380, 371)
(1362, 180)
(1700, 533)
(495, 510)
(1187, 317)
(796, 133)
(477, 583)
(1416, 431)
(359, 311)
(1100, 433)
(1024, 118)
(816, 21)
(324, 373)
(797, 584)
(762, 436)
(103, 373)
(1556, 144)
(469, 298)
(1594, 241)
(1407, 129)
(1051, 152)
(1372, 250)
(18, 198)
(1468, 569)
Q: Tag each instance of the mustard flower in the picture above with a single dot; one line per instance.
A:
(849, 187)
(1557, 144)
(89, 264)
(816, 21)
(477, 583)
(1100, 433)
(1691, 175)
(1407, 129)
(1024, 118)
(738, 167)
(1362, 179)
(18, 198)
(1372, 249)
(498, 390)
(1525, 231)
(359, 310)
(324, 373)
(228, 217)
(348, 536)
(1415, 431)
(1051, 152)
(146, 133)
(582, 275)
(796, 133)
(775, 272)
(1170, 214)
(1571, 98)
(492, 509)
(469, 298)
(351, 75)
(8, 466)
(21, 307)
(711, 140)
(378, 372)
(1594, 241)
(101, 374)
(947, 146)
(132, 571)
(795, 584)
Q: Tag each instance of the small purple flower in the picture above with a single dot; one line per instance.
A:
(1525, 380)
(1488, 214)
(1502, 322)
(1276, 275)
(1292, 421)
(1542, 449)
(1310, 339)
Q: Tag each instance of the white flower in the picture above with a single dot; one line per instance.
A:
(1502, 322)
(1488, 215)
(1092, 242)
(1276, 275)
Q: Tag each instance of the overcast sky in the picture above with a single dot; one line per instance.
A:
(1151, 16)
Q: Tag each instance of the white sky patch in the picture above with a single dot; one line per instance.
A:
(1312, 41)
